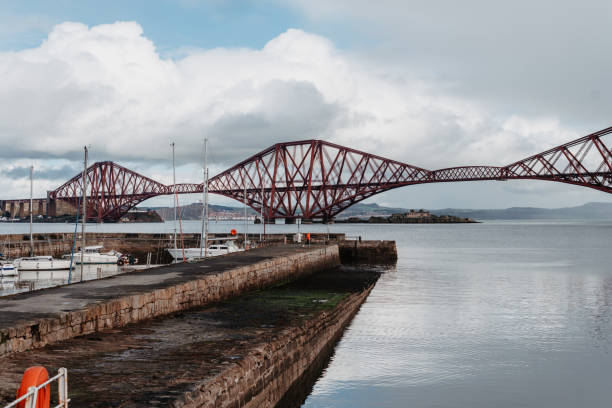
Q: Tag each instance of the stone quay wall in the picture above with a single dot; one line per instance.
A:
(262, 378)
(358, 251)
(133, 308)
(137, 244)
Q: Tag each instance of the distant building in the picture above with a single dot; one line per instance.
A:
(418, 214)
(411, 217)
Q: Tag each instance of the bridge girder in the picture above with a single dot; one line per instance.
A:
(319, 179)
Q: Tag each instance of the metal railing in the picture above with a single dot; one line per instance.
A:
(31, 396)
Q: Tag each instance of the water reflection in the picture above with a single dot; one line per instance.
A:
(515, 315)
(32, 280)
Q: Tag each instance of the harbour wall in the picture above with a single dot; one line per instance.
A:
(141, 244)
(263, 377)
(138, 244)
(358, 251)
(62, 313)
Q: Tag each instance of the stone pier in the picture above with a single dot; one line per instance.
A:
(35, 319)
(373, 252)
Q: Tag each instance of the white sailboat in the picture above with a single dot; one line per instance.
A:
(92, 255)
(8, 269)
(223, 247)
(41, 262)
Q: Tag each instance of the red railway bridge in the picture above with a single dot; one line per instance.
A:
(316, 179)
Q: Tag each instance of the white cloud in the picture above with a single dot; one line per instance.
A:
(108, 87)
(531, 57)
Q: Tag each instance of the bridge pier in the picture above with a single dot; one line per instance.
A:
(21, 208)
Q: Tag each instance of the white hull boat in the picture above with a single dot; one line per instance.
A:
(92, 255)
(41, 263)
(8, 269)
(197, 253)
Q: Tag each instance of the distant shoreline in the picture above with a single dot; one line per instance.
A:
(395, 219)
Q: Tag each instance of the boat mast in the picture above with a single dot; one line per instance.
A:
(31, 202)
(246, 224)
(263, 200)
(204, 236)
(84, 193)
(174, 191)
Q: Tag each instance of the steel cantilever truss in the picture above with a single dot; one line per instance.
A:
(112, 190)
(585, 162)
(312, 179)
(318, 179)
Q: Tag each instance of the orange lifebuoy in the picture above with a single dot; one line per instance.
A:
(308, 236)
(33, 377)
(233, 232)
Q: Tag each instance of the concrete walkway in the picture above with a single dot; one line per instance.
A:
(115, 301)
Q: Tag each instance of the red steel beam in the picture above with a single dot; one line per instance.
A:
(319, 179)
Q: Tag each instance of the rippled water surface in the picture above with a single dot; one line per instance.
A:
(489, 315)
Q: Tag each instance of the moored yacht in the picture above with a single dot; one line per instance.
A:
(35, 263)
(8, 269)
(92, 255)
(197, 253)
(40, 262)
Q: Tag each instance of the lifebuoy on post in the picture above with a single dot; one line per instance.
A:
(33, 377)
(233, 232)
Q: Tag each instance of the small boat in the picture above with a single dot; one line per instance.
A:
(196, 253)
(92, 255)
(36, 263)
(8, 269)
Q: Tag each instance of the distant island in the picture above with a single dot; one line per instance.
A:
(411, 217)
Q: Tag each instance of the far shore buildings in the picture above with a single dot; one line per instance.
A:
(412, 214)
(416, 214)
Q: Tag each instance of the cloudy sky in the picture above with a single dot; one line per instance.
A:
(434, 84)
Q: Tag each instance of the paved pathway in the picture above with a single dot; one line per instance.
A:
(29, 306)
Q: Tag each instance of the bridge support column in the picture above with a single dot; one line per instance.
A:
(51, 208)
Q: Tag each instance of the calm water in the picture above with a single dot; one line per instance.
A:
(500, 314)
(33, 280)
(490, 315)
